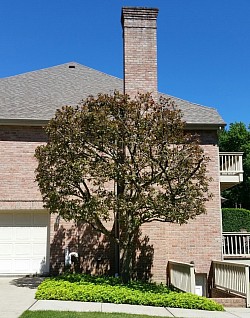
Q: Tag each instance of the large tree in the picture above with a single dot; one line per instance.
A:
(237, 138)
(128, 162)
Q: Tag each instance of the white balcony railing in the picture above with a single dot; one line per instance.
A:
(236, 245)
(182, 276)
(231, 169)
(231, 162)
(232, 277)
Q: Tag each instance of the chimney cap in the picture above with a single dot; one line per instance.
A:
(139, 13)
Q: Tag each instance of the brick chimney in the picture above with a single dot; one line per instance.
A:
(139, 50)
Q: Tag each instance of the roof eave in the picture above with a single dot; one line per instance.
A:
(44, 122)
(205, 126)
(23, 122)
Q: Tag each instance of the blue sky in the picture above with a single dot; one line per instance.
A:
(203, 45)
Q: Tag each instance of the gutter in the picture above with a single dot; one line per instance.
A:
(24, 122)
(44, 122)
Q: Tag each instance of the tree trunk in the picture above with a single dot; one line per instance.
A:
(127, 259)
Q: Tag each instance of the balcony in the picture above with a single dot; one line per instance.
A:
(231, 169)
(236, 245)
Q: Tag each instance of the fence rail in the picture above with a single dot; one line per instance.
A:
(236, 244)
(231, 162)
(232, 277)
(182, 276)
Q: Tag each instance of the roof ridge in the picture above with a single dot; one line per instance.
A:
(57, 66)
(37, 94)
(90, 68)
(35, 71)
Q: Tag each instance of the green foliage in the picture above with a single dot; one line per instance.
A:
(113, 138)
(233, 220)
(237, 138)
(137, 293)
(112, 155)
(113, 281)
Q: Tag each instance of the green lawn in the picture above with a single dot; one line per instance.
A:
(72, 314)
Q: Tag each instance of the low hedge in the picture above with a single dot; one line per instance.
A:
(234, 220)
(89, 289)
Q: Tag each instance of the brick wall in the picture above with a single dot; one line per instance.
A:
(19, 191)
(199, 240)
(17, 165)
(140, 50)
(227, 299)
(96, 253)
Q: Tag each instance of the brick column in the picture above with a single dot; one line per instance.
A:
(140, 50)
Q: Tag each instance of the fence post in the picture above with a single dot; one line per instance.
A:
(182, 276)
(192, 279)
(247, 286)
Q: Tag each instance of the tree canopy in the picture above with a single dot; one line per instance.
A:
(122, 160)
(234, 139)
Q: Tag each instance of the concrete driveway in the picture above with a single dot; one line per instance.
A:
(17, 295)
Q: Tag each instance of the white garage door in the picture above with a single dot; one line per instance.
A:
(24, 242)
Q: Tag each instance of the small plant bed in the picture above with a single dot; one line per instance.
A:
(86, 288)
(73, 314)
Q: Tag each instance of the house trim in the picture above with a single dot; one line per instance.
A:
(44, 122)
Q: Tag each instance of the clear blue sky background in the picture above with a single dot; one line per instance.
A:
(203, 45)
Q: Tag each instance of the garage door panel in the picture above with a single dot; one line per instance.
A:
(39, 249)
(37, 233)
(22, 265)
(6, 233)
(5, 265)
(6, 249)
(22, 233)
(23, 249)
(23, 242)
(38, 263)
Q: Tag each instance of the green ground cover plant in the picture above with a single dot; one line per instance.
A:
(111, 290)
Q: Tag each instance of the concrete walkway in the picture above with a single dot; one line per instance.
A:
(141, 310)
(17, 295)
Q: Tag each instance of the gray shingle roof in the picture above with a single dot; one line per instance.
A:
(198, 114)
(36, 95)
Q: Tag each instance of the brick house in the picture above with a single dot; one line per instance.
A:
(32, 240)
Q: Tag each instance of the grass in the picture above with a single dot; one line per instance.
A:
(73, 314)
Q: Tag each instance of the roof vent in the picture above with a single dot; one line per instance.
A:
(72, 66)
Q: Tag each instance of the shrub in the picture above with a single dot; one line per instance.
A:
(233, 220)
(113, 281)
(111, 290)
